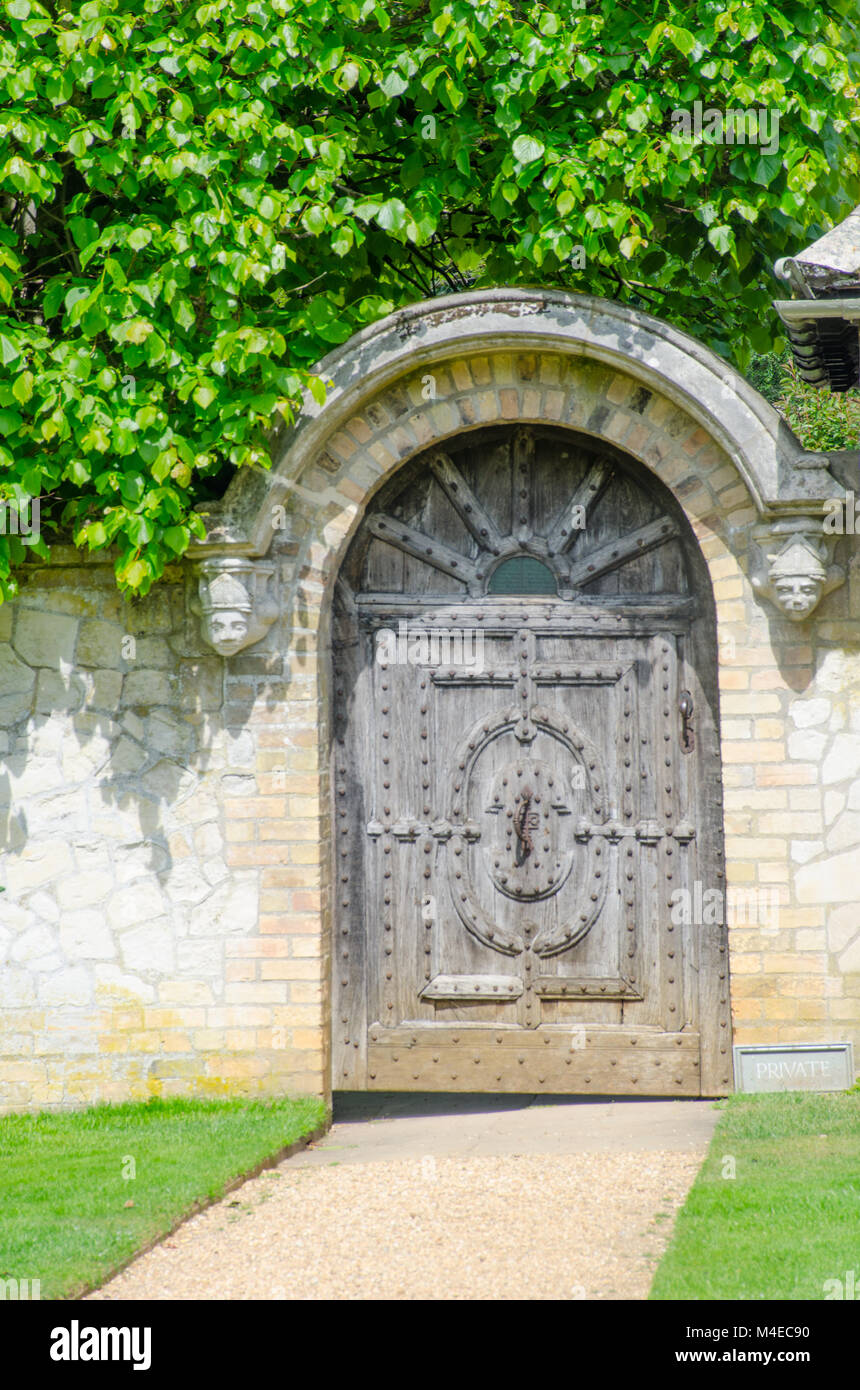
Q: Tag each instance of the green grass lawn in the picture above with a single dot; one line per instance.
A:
(790, 1218)
(69, 1216)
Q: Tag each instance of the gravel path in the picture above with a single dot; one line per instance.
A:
(527, 1226)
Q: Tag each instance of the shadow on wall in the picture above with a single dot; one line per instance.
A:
(128, 772)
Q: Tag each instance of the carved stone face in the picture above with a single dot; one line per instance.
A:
(797, 594)
(226, 629)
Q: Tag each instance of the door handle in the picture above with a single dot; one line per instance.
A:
(521, 824)
(685, 706)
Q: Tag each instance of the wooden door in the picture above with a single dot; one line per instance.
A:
(522, 794)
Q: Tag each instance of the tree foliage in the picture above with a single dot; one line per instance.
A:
(200, 200)
(822, 420)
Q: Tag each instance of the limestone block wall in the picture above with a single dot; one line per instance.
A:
(151, 854)
(792, 798)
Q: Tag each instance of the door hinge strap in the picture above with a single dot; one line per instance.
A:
(409, 830)
(647, 832)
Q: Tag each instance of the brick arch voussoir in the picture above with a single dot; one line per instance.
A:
(430, 405)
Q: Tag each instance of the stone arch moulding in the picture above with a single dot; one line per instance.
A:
(784, 485)
(754, 498)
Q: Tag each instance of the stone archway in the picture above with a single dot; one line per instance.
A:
(748, 490)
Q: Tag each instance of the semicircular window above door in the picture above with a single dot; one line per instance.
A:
(507, 507)
(518, 798)
(522, 574)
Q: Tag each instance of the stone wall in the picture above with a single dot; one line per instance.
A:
(151, 853)
(792, 789)
(166, 842)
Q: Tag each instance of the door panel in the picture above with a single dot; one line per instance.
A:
(514, 806)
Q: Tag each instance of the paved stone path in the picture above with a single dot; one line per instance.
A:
(415, 1197)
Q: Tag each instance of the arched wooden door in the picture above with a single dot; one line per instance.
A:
(526, 781)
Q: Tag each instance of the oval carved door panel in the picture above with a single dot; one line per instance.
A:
(517, 802)
(521, 782)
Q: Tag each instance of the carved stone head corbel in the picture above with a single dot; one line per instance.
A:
(794, 568)
(234, 603)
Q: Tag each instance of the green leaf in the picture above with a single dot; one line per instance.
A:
(10, 421)
(181, 109)
(527, 148)
(347, 77)
(765, 168)
(75, 295)
(683, 40)
(393, 216)
(138, 238)
(654, 39)
(315, 219)
(176, 538)
(394, 84)
(637, 119)
(84, 231)
(95, 535)
(722, 238)
(133, 574)
(79, 142)
(22, 387)
(78, 472)
(343, 242)
(135, 331)
(629, 245)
